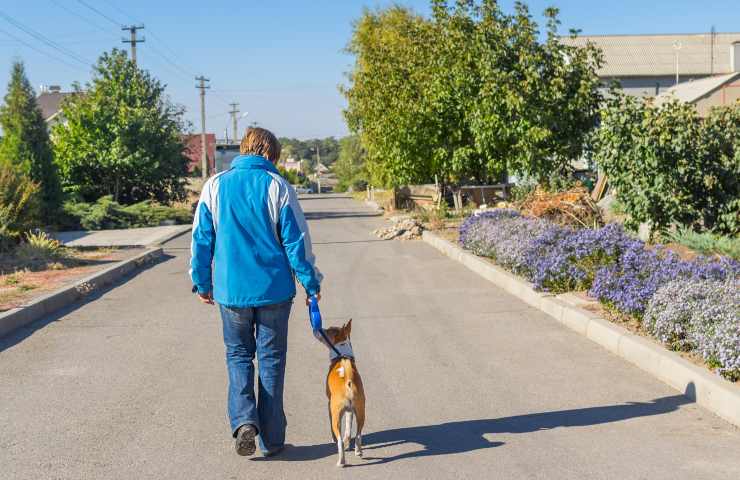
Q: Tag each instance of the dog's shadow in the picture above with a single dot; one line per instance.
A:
(468, 435)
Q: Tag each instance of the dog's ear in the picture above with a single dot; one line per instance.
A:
(348, 327)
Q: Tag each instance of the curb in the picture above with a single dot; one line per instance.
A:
(44, 305)
(695, 382)
(166, 238)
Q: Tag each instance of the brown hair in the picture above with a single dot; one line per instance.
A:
(258, 141)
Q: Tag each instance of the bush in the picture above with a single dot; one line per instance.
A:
(670, 166)
(616, 269)
(563, 259)
(106, 214)
(630, 283)
(554, 258)
(20, 204)
(39, 248)
(707, 242)
(697, 305)
(702, 315)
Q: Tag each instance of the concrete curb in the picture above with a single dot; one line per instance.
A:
(41, 306)
(698, 384)
(166, 238)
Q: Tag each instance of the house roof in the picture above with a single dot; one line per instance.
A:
(655, 55)
(50, 103)
(691, 91)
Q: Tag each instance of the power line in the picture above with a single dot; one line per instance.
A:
(119, 10)
(90, 7)
(23, 42)
(44, 39)
(75, 14)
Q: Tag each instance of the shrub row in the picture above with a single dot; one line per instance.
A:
(108, 214)
(621, 272)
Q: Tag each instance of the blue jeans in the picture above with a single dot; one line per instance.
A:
(262, 331)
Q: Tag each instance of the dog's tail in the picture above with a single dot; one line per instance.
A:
(349, 378)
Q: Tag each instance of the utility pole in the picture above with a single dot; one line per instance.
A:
(318, 164)
(233, 112)
(203, 144)
(133, 41)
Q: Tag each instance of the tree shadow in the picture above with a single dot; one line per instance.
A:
(469, 435)
(319, 215)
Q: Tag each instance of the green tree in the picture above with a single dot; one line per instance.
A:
(122, 136)
(25, 144)
(19, 205)
(469, 94)
(669, 165)
(350, 166)
(306, 149)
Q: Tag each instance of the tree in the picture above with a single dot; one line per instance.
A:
(19, 205)
(306, 149)
(122, 136)
(25, 144)
(470, 94)
(350, 167)
(669, 165)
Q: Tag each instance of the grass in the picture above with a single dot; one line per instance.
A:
(707, 243)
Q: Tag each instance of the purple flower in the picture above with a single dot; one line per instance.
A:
(702, 315)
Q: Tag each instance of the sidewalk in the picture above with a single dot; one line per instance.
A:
(131, 237)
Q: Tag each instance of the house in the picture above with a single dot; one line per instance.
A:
(193, 151)
(321, 169)
(705, 93)
(647, 65)
(291, 164)
(50, 103)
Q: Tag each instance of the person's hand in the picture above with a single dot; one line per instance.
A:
(318, 298)
(206, 298)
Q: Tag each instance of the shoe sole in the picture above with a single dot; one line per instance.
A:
(245, 442)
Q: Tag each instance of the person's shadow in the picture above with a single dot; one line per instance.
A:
(468, 435)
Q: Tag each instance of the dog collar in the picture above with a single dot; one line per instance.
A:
(341, 350)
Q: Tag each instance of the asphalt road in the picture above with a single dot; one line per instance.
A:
(462, 381)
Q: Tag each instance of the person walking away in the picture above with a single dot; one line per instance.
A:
(250, 239)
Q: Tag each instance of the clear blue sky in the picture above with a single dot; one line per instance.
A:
(281, 60)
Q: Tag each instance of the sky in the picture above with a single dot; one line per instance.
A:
(281, 60)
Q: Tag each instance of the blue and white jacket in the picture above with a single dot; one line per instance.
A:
(250, 227)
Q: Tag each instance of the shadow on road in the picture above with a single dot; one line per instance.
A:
(468, 435)
(317, 215)
(23, 333)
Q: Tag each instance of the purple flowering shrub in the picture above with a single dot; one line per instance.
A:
(630, 282)
(701, 315)
(688, 305)
(553, 257)
(564, 260)
(470, 230)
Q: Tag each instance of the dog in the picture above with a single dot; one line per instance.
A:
(344, 390)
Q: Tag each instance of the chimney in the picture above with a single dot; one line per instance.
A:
(735, 57)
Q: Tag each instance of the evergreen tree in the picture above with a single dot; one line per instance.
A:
(25, 144)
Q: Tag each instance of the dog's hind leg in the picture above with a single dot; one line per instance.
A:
(337, 424)
(347, 434)
(360, 414)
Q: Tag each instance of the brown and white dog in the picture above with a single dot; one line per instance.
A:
(344, 390)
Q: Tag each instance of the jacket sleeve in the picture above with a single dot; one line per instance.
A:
(297, 243)
(203, 242)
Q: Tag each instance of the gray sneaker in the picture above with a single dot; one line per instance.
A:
(245, 440)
